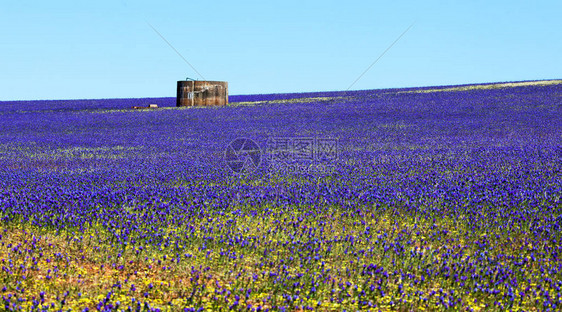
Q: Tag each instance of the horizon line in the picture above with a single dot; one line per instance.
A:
(305, 92)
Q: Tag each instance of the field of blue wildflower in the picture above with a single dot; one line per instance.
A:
(437, 200)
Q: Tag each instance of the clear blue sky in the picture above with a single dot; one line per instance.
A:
(105, 49)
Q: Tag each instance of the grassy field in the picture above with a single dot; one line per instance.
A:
(435, 201)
